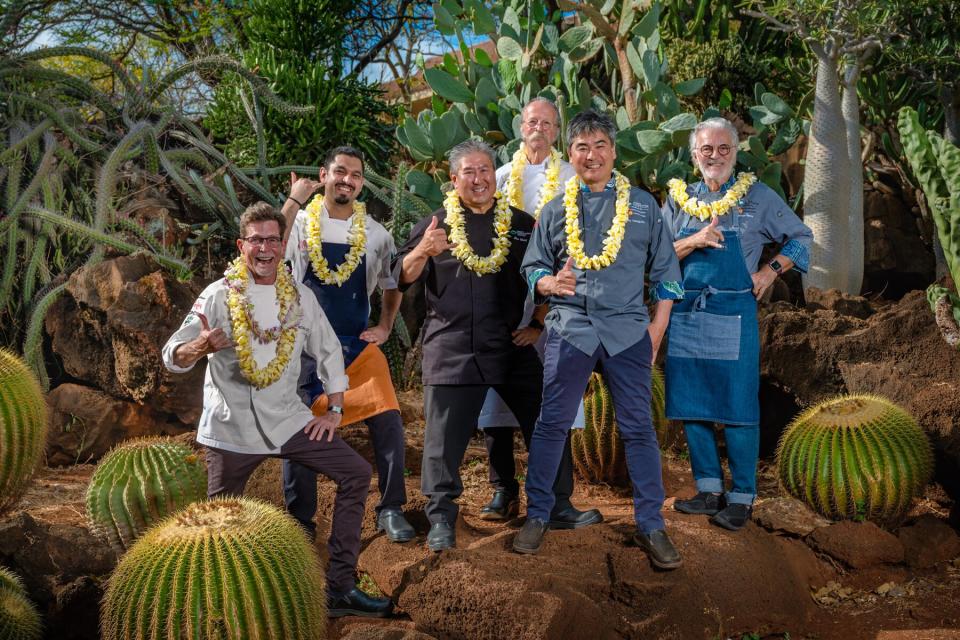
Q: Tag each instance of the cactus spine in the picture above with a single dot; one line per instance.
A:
(19, 619)
(598, 454)
(23, 427)
(858, 457)
(140, 483)
(226, 568)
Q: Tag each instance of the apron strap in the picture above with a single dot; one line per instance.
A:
(700, 303)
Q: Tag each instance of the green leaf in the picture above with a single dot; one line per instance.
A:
(587, 51)
(689, 87)
(445, 22)
(508, 74)
(787, 135)
(679, 122)
(482, 58)
(511, 23)
(505, 121)
(451, 65)
(626, 20)
(635, 60)
(473, 123)
(439, 104)
(775, 103)
(648, 25)
(623, 120)
(551, 39)
(483, 21)
(418, 142)
(654, 141)
(771, 177)
(753, 162)
(486, 92)
(726, 99)
(756, 146)
(447, 86)
(667, 103)
(442, 133)
(509, 48)
(651, 69)
(575, 37)
(423, 185)
(711, 112)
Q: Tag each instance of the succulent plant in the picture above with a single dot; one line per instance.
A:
(19, 619)
(858, 457)
(23, 427)
(138, 484)
(598, 454)
(227, 568)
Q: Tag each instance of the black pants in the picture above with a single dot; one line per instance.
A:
(503, 468)
(451, 413)
(228, 472)
(386, 435)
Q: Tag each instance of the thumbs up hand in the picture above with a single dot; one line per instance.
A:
(434, 240)
(710, 235)
(211, 340)
(563, 284)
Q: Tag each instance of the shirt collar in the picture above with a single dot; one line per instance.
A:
(610, 186)
(702, 186)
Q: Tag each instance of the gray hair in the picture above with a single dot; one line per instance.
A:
(713, 123)
(465, 148)
(547, 101)
(590, 121)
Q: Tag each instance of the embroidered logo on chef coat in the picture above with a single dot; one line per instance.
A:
(519, 234)
(638, 212)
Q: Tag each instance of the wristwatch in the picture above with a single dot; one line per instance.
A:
(776, 266)
(336, 409)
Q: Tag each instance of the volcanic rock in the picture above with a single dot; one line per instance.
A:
(857, 544)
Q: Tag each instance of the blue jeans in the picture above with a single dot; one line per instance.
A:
(565, 375)
(743, 449)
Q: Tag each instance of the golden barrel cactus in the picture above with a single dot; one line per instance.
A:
(19, 619)
(23, 427)
(857, 457)
(139, 483)
(598, 454)
(227, 568)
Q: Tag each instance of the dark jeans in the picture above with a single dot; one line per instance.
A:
(228, 472)
(451, 413)
(386, 434)
(743, 449)
(627, 375)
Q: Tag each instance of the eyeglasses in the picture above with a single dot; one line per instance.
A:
(270, 243)
(707, 150)
(533, 123)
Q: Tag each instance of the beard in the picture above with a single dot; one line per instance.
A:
(341, 199)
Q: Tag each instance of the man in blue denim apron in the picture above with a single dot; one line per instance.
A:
(598, 319)
(348, 276)
(713, 355)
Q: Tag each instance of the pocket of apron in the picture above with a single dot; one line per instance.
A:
(703, 335)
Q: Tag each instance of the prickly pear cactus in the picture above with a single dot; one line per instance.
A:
(228, 568)
(23, 427)
(858, 457)
(598, 454)
(139, 483)
(19, 619)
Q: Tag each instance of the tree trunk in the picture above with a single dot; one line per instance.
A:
(827, 181)
(851, 118)
(950, 99)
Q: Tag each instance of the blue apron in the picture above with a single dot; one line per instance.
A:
(713, 356)
(347, 307)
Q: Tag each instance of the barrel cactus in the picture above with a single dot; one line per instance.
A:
(139, 483)
(598, 454)
(19, 619)
(23, 427)
(227, 568)
(857, 457)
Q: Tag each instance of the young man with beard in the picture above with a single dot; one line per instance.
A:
(251, 326)
(468, 255)
(341, 254)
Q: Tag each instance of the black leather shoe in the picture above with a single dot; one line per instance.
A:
(442, 536)
(530, 537)
(356, 603)
(733, 516)
(573, 518)
(662, 553)
(396, 526)
(703, 504)
(503, 506)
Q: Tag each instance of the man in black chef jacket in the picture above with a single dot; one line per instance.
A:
(468, 256)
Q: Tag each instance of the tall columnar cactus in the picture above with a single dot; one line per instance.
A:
(855, 457)
(936, 164)
(140, 483)
(23, 427)
(598, 454)
(228, 568)
(19, 619)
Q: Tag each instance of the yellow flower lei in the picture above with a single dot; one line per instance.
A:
(704, 210)
(547, 191)
(357, 237)
(503, 216)
(240, 319)
(611, 244)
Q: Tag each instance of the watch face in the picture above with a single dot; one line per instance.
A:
(776, 266)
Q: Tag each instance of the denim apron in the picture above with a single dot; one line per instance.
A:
(347, 307)
(713, 356)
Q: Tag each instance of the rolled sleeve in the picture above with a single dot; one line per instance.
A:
(385, 275)
(782, 226)
(798, 253)
(668, 290)
(190, 329)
